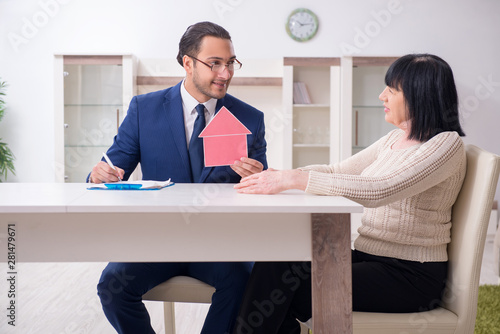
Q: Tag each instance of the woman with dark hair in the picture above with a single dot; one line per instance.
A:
(407, 181)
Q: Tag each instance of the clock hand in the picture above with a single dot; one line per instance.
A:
(303, 24)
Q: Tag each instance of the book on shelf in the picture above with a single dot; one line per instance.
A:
(300, 93)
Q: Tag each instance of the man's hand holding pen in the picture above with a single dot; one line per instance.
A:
(104, 173)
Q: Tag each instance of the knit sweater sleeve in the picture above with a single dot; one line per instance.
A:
(434, 161)
(355, 164)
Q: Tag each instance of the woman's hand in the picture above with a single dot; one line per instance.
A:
(273, 181)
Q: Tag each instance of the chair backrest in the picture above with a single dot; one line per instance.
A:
(470, 218)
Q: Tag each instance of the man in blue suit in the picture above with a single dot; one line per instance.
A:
(158, 133)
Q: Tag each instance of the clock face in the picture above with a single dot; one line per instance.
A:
(302, 25)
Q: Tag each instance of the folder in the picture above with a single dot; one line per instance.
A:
(132, 185)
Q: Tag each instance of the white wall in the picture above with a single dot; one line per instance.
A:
(465, 33)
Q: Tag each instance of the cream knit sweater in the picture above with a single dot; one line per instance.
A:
(407, 194)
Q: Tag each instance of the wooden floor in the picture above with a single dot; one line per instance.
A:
(61, 298)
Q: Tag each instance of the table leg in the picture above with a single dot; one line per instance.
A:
(331, 273)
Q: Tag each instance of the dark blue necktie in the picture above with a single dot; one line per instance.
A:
(196, 144)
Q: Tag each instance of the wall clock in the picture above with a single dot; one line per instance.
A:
(302, 25)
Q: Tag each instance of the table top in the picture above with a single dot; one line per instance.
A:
(181, 197)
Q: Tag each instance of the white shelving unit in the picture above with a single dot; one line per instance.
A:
(312, 135)
(92, 93)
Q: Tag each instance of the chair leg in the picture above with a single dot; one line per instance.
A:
(304, 329)
(169, 316)
(496, 252)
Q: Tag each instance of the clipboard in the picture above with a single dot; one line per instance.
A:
(132, 185)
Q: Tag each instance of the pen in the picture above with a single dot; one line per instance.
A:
(110, 163)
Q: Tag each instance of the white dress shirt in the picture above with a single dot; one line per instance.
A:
(189, 104)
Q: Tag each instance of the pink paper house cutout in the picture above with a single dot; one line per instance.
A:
(224, 139)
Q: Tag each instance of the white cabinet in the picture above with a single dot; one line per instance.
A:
(92, 94)
(312, 135)
(362, 116)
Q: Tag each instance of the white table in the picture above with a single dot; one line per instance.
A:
(188, 222)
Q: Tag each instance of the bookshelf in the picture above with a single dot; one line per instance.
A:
(312, 134)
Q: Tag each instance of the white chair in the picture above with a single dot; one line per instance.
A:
(470, 218)
(182, 289)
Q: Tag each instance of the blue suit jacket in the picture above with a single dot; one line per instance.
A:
(153, 134)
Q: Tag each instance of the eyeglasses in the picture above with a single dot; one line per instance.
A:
(217, 66)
